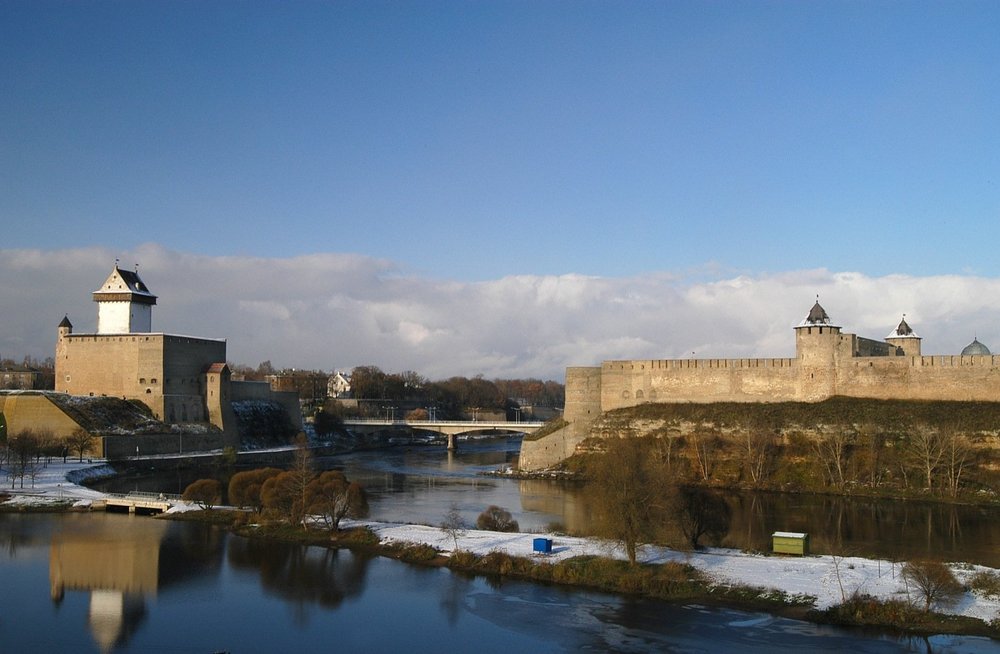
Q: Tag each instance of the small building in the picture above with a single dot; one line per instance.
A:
(338, 386)
(790, 542)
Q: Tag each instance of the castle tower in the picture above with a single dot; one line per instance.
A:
(124, 304)
(905, 339)
(816, 338)
(65, 327)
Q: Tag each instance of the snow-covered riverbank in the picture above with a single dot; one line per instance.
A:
(829, 579)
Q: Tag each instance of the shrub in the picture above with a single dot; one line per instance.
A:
(934, 580)
(986, 583)
(496, 518)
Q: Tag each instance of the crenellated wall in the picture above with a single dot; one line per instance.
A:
(828, 363)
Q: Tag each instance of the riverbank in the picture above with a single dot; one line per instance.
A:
(817, 582)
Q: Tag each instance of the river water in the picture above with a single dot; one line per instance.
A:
(111, 582)
(419, 484)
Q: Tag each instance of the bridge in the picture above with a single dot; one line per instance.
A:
(450, 428)
(139, 502)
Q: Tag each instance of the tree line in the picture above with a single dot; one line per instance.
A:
(942, 449)
(25, 453)
(371, 383)
(299, 496)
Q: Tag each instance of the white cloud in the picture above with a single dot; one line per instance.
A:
(340, 310)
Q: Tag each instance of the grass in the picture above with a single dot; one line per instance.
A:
(865, 610)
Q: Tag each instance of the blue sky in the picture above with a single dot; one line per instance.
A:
(469, 142)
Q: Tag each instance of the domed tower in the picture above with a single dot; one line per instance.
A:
(905, 339)
(124, 304)
(975, 348)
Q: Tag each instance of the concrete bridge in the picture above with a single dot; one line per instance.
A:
(139, 502)
(450, 428)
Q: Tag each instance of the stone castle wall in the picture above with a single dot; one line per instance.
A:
(828, 363)
(163, 371)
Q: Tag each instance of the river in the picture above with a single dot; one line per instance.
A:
(419, 484)
(118, 583)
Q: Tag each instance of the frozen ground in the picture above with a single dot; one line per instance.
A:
(827, 578)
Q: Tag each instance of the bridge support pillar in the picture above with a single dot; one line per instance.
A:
(452, 443)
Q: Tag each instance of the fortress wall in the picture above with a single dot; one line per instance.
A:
(100, 364)
(583, 406)
(583, 394)
(959, 378)
(629, 383)
(250, 390)
(37, 412)
(185, 358)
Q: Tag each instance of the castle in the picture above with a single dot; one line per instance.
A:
(182, 379)
(827, 362)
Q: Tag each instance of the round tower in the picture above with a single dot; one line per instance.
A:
(816, 338)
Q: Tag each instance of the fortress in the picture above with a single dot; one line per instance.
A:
(827, 362)
(182, 379)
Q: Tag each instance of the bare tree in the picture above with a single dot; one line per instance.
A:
(245, 487)
(871, 445)
(832, 452)
(453, 524)
(23, 450)
(958, 455)
(704, 444)
(205, 492)
(701, 512)
(79, 441)
(286, 494)
(934, 580)
(925, 450)
(627, 495)
(759, 450)
(331, 497)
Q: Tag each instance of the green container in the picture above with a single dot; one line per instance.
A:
(790, 542)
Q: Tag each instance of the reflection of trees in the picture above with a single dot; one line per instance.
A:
(887, 528)
(304, 575)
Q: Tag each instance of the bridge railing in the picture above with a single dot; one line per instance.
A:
(144, 495)
(386, 421)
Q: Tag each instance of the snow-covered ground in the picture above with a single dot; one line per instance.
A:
(827, 578)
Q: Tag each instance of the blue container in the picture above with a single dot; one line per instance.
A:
(543, 545)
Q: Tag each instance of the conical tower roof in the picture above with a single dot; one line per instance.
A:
(903, 330)
(817, 317)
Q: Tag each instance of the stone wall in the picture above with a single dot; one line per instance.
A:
(36, 412)
(125, 447)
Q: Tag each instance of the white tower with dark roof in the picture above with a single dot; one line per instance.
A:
(904, 338)
(124, 304)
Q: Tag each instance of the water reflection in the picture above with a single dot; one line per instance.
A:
(301, 575)
(140, 584)
(420, 484)
(117, 572)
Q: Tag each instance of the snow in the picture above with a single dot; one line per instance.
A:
(828, 578)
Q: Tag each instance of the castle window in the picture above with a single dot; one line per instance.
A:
(149, 391)
(626, 395)
(142, 380)
(153, 380)
(67, 377)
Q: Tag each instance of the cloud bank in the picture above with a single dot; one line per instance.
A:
(337, 311)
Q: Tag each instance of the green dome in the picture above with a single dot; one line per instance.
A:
(975, 348)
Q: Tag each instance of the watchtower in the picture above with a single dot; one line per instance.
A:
(904, 338)
(124, 304)
(817, 339)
